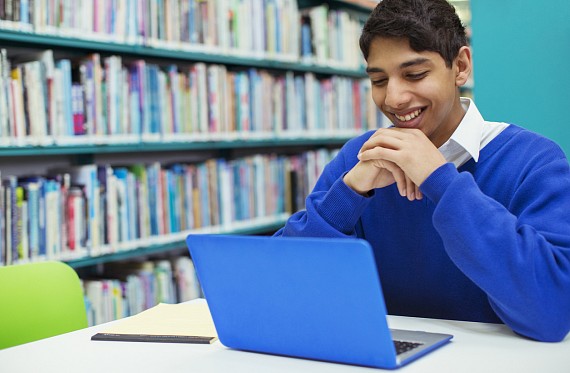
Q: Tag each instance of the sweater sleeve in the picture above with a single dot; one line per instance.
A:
(332, 209)
(519, 253)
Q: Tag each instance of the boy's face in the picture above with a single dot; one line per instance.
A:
(415, 89)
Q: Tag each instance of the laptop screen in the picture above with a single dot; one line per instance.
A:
(305, 297)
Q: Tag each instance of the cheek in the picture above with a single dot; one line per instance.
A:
(378, 96)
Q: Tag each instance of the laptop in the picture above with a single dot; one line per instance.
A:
(313, 298)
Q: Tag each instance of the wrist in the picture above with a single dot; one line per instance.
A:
(348, 182)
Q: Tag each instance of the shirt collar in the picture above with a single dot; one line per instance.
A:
(468, 134)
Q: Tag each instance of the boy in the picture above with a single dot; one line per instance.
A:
(468, 219)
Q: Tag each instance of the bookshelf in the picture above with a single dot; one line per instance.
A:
(125, 172)
(23, 39)
(176, 241)
(364, 6)
(159, 146)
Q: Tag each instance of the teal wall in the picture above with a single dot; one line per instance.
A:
(521, 53)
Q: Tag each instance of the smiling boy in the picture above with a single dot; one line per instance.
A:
(468, 219)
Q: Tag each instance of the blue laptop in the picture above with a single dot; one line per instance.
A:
(313, 298)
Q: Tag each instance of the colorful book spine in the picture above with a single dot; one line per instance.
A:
(151, 103)
(135, 287)
(123, 204)
(32, 191)
(78, 111)
(267, 28)
(76, 219)
(91, 210)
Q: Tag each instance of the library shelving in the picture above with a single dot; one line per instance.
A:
(176, 241)
(125, 125)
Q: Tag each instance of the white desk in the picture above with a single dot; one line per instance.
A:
(476, 347)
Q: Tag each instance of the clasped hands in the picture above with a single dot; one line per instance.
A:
(395, 155)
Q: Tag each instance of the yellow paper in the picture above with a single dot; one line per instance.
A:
(184, 319)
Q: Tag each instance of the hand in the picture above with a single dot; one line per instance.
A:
(408, 149)
(368, 175)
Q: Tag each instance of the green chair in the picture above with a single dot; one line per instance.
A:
(39, 300)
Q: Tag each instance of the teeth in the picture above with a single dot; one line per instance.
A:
(408, 117)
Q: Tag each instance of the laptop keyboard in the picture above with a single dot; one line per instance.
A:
(403, 346)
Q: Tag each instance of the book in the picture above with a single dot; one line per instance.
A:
(86, 176)
(172, 323)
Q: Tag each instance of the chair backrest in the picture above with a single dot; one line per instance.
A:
(39, 300)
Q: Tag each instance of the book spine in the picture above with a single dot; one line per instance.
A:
(13, 218)
(32, 190)
(121, 175)
(21, 224)
(79, 127)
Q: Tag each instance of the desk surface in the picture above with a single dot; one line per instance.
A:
(476, 347)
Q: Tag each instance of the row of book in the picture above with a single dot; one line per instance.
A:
(45, 101)
(125, 289)
(91, 210)
(330, 37)
(259, 28)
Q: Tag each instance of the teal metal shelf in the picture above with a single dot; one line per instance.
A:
(27, 39)
(270, 226)
(363, 6)
(29, 150)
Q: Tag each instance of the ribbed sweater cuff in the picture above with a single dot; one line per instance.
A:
(436, 183)
(342, 206)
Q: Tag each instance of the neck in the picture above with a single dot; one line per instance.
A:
(455, 117)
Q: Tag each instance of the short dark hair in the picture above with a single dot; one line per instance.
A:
(429, 25)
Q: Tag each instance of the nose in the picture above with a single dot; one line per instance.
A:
(397, 94)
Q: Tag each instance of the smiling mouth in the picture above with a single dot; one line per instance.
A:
(410, 116)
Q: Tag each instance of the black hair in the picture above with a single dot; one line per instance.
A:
(429, 25)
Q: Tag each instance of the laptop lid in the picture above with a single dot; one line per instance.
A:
(316, 298)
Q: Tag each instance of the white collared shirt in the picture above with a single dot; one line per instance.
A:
(472, 134)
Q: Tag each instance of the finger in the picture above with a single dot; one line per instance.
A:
(419, 194)
(379, 132)
(378, 152)
(411, 189)
(383, 137)
(391, 131)
(398, 175)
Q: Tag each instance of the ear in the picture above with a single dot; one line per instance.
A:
(463, 66)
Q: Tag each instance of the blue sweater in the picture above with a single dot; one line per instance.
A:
(489, 241)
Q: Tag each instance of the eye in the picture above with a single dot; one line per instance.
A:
(379, 82)
(417, 76)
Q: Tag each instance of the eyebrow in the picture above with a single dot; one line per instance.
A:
(403, 65)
